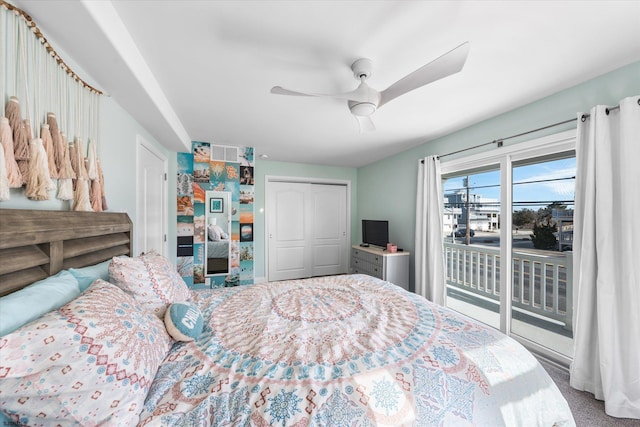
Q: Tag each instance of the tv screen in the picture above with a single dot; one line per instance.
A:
(375, 232)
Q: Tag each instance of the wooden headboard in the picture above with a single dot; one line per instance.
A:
(37, 244)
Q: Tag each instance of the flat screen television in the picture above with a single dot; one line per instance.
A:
(375, 232)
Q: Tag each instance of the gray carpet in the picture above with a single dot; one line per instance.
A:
(587, 411)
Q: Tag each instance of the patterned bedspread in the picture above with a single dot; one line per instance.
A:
(346, 351)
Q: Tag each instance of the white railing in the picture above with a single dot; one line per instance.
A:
(541, 282)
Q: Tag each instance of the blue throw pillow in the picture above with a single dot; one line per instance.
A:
(27, 304)
(5, 421)
(87, 275)
(183, 321)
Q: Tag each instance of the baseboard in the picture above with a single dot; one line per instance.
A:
(259, 279)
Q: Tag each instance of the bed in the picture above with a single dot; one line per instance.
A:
(337, 350)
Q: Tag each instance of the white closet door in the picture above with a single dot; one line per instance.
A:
(289, 251)
(329, 229)
(307, 230)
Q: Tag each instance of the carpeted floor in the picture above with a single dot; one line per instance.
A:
(587, 411)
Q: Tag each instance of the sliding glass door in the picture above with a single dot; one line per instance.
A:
(472, 243)
(508, 227)
(542, 233)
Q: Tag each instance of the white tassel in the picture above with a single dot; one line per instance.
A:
(5, 193)
(92, 155)
(65, 182)
(65, 189)
(38, 180)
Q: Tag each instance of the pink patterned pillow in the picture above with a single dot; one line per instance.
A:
(151, 279)
(89, 362)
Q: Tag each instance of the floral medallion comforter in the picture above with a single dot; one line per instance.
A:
(346, 351)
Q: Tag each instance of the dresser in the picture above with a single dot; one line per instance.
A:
(379, 263)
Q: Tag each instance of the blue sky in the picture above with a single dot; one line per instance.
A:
(540, 183)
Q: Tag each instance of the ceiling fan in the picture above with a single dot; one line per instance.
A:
(364, 101)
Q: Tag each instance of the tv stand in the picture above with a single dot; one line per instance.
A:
(377, 262)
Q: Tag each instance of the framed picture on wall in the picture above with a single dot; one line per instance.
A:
(216, 205)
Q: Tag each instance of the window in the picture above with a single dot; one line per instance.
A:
(508, 230)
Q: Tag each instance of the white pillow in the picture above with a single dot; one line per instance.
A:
(151, 279)
(213, 231)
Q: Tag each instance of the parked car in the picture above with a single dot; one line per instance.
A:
(462, 232)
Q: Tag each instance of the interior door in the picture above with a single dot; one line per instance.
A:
(151, 200)
(289, 251)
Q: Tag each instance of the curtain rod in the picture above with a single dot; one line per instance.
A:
(500, 141)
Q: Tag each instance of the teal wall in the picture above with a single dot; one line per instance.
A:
(395, 177)
(265, 168)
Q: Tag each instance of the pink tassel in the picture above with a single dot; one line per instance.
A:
(66, 171)
(47, 142)
(20, 139)
(81, 171)
(6, 138)
(38, 182)
(58, 148)
(96, 197)
(23, 161)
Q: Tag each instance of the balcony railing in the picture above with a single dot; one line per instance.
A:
(541, 285)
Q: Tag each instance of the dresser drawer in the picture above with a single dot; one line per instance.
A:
(376, 262)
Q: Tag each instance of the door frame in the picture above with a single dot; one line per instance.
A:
(142, 143)
(302, 180)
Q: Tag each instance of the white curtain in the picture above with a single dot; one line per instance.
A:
(429, 256)
(606, 258)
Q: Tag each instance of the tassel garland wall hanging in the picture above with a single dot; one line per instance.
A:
(35, 157)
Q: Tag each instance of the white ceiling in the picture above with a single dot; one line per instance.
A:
(202, 70)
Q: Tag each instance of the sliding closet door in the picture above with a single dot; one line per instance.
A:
(328, 229)
(288, 228)
(307, 230)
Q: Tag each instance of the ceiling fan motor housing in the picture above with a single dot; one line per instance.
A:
(362, 68)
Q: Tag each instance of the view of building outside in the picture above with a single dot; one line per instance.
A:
(542, 207)
(543, 201)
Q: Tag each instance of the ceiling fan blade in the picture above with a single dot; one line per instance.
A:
(365, 123)
(360, 94)
(447, 64)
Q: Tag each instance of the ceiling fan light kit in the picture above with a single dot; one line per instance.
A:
(364, 101)
(362, 109)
